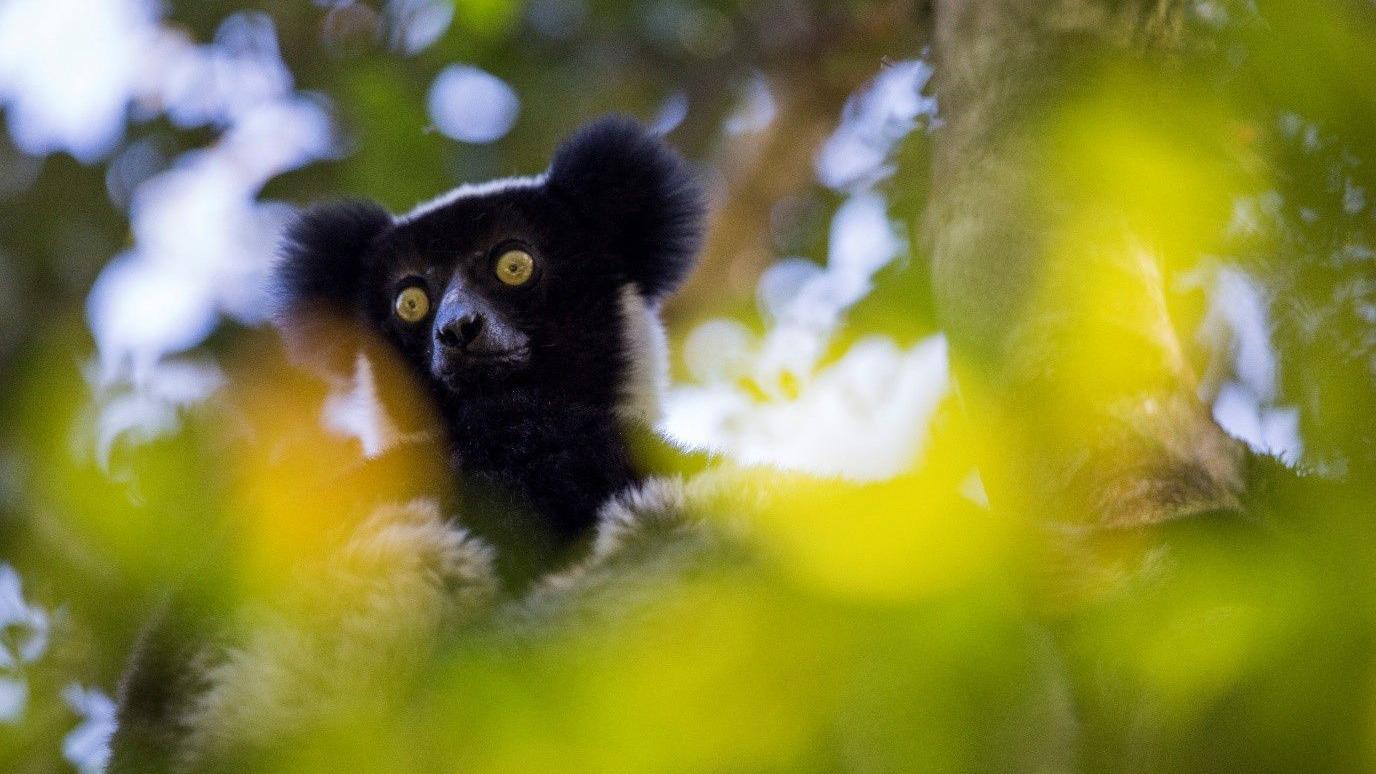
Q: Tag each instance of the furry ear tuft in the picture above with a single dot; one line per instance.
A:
(322, 255)
(316, 283)
(638, 195)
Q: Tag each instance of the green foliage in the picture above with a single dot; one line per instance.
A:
(886, 627)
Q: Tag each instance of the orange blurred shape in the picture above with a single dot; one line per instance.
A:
(299, 486)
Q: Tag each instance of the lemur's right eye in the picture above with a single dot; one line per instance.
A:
(515, 267)
(412, 304)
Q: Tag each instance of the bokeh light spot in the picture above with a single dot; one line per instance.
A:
(472, 105)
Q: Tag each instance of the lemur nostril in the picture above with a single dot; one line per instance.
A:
(470, 328)
(460, 333)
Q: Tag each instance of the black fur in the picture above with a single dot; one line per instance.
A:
(537, 443)
(632, 191)
(326, 245)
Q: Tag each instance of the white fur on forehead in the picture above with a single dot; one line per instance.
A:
(473, 189)
(647, 358)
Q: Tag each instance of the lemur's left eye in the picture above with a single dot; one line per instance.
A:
(515, 267)
(412, 304)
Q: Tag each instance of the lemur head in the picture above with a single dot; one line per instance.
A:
(547, 282)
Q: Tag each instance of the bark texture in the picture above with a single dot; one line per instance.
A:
(1056, 307)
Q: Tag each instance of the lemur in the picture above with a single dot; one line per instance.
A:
(528, 308)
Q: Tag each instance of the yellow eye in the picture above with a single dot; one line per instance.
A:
(515, 267)
(412, 304)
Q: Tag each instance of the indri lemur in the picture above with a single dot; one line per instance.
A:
(528, 306)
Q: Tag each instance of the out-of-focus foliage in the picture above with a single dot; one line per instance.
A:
(895, 624)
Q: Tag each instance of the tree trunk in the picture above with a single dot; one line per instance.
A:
(1054, 303)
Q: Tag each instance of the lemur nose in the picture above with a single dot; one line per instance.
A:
(460, 332)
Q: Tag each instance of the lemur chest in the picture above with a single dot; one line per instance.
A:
(532, 482)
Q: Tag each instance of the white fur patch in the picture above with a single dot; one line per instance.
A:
(345, 630)
(723, 497)
(354, 410)
(657, 505)
(469, 190)
(647, 357)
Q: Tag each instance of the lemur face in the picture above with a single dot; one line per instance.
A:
(481, 290)
(540, 282)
